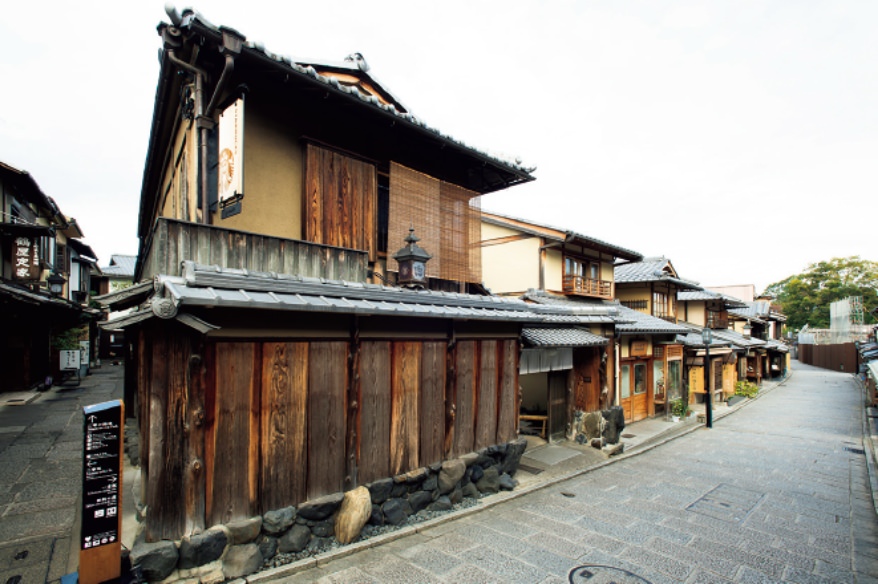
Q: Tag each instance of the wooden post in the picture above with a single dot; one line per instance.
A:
(100, 541)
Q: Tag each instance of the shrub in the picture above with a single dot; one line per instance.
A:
(679, 409)
(746, 388)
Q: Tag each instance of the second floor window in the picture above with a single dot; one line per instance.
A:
(661, 306)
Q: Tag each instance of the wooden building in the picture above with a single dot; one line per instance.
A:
(277, 359)
(39, 245)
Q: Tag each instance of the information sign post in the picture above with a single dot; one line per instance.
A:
(100, 542)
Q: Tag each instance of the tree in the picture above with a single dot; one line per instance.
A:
(805, 298)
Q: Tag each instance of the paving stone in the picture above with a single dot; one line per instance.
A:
(392, 570)
(507, 567)
(431, 558)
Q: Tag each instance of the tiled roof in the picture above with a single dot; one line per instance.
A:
(650, 270)
(561, 337)
(191, 18)
(213, 286)
(640, 323)
(121, 266)
(627, 321)
(759, 310)
(563, 234)
(730, 302)
(575, 310)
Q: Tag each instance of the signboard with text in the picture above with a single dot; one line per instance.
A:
(100, 536)
(25, 258)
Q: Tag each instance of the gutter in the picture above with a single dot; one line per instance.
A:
(232, 43)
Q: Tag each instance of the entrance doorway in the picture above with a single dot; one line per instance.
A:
(633, 394)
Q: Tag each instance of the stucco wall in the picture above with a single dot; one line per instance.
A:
(511, 267)
(273, 174)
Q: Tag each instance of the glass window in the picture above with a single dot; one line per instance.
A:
(658, 378)
(625, 381)
(675, 379)
(640, 378)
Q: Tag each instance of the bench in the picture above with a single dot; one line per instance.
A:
(536, 418)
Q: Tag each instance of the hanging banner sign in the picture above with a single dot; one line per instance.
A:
(25, 259)
(230, 174)
(100, 536)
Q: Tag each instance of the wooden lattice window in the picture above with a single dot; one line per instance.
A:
(660, 305)
(635, 304)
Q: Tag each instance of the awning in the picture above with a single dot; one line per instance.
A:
(561, 337)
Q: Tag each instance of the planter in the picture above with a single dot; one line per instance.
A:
(675, 419)
(736, 399)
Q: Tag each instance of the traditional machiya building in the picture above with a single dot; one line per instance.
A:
(630, 357)
(44, 283)
(734, 356)
(309, 316)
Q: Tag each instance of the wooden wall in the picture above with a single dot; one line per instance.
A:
(838, 357)
(174, 241)
(232, 429)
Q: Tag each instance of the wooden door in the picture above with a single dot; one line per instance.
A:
(557, 405)
(633, 394)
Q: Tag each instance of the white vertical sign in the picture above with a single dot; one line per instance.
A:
(230, 174)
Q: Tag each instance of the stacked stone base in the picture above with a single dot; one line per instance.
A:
(600, 430)
(234, 550)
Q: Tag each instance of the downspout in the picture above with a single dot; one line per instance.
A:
(231, 47)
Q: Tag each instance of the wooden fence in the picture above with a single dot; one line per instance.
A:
(838, 357)
(232, 429)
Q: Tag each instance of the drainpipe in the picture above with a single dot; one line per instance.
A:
(231, 47)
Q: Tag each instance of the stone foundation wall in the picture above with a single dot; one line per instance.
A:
(284, 535)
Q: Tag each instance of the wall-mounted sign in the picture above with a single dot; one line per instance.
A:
(638, 348)
(100, 536)
(25, 259)
(230, 171)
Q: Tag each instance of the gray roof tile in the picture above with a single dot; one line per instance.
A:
(561, 337)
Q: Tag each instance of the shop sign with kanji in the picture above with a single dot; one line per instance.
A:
(25, 259)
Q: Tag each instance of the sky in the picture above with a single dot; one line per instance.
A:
(738, 138)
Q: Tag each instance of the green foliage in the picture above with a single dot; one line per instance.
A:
(746, 388)
(67, 340)
(679, 408)
(805, 298)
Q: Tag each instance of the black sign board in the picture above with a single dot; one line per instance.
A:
(101, 475)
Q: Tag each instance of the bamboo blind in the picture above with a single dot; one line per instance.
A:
(445, 216)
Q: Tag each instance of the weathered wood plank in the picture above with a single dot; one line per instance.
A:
(194, 480)
(432, 401)
(313, 199)
(404, 381)
(354, 400)
(167, 438)
(233, 465)
(486, 399)
(507, 414)
(209, 425)
(284, 424)
(465, 397)
(374, 450)
(327, 373)
(176, 441)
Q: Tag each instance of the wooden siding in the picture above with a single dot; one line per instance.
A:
(175, 241)
(283, 424)
(327, 381)
(341, 205)
(237, 428)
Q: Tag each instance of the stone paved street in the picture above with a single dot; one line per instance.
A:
(777, 492)
(41, 476)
